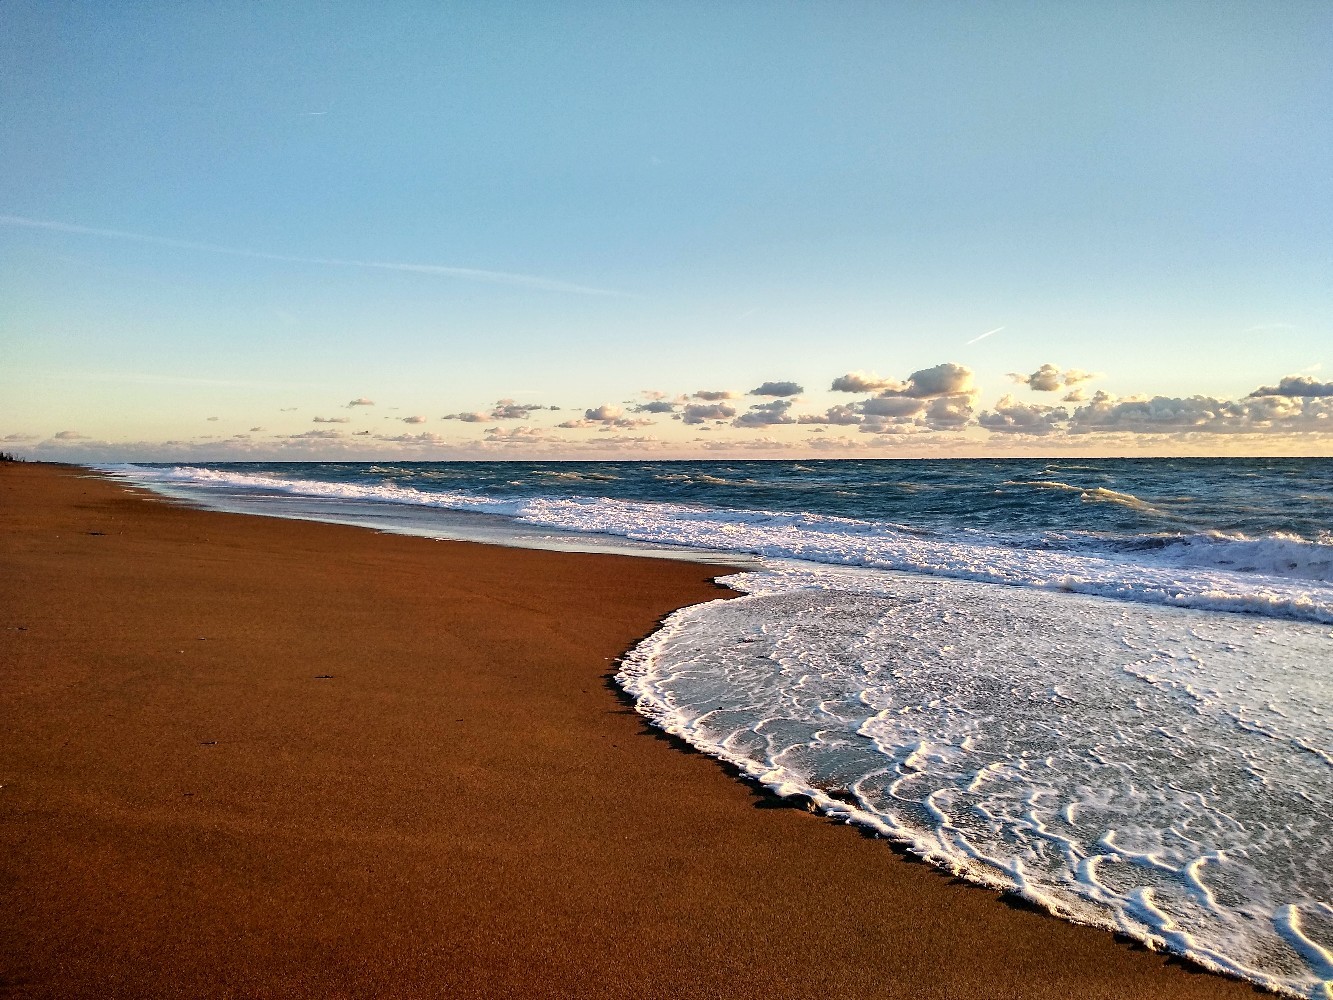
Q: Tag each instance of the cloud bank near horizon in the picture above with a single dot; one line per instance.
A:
(932, 409)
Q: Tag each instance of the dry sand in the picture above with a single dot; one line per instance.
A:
(247, 757)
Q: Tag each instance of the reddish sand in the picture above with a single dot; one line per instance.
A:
(247, 757)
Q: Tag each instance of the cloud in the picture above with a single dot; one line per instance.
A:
(655, 406)
(255, 429)
(777, 389)
(1074, 396)
(1295, 385)
(466, 273)
(20, 437)
(212, 420)
(840, 414)
(332, 420)
(943, 380)
(1204, 414)
(69, 436)
(1049, 378)
(859, 381)
(766, 414)
(712, 396)
(507, 409)
(315, 435)
(519, 435)
(413, 420)
(948, 413)
(895, 407)
(1012, 417)
(606, 415)
(504, 409)
(424, 438)
(361, 401)
(698, 413)
(988, 333)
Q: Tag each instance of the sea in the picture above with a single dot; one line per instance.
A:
(1105, 686)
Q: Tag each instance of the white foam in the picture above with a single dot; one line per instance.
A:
(1160, 772)
(1280, 576)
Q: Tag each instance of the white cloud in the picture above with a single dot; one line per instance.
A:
(69, 436)
(332, 420)
(414, 419)
(361, 401)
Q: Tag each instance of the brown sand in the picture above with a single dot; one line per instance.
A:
(466, 807)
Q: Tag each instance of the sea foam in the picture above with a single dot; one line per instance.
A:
(1159, 772)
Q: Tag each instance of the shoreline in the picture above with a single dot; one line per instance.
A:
(252, 756)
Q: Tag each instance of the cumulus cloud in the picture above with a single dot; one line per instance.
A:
(840, 414)
(713, 395)
(698, 413)
(19, 437)
(1012, 417)
(943, 380)
(766, 414)
(316, 435)
(777, 389)
(254, 429)
(507, 409)
(69, 436)
(1295, 385)
(895, 407)
(1049, 378)
(605, 415)
(414, 420)
(361, 401)
(332, 420)
(655, 406)
(504, 409)
(948, 413)
(860, 381)
(1074, 396)
(1166, 414)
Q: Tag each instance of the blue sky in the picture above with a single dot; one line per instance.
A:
(601, 199)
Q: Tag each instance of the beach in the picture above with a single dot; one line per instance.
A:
(252, 757)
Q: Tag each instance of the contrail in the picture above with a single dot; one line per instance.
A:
(983, 336)
(467, 273)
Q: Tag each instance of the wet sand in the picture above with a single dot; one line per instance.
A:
(250, 757)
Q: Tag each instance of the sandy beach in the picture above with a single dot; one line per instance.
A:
(251, 757)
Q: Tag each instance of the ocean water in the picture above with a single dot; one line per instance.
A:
(1105, 685)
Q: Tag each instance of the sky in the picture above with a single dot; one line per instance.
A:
(435, 230)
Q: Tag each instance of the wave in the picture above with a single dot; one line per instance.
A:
(1281, 576)
(1153, 772)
